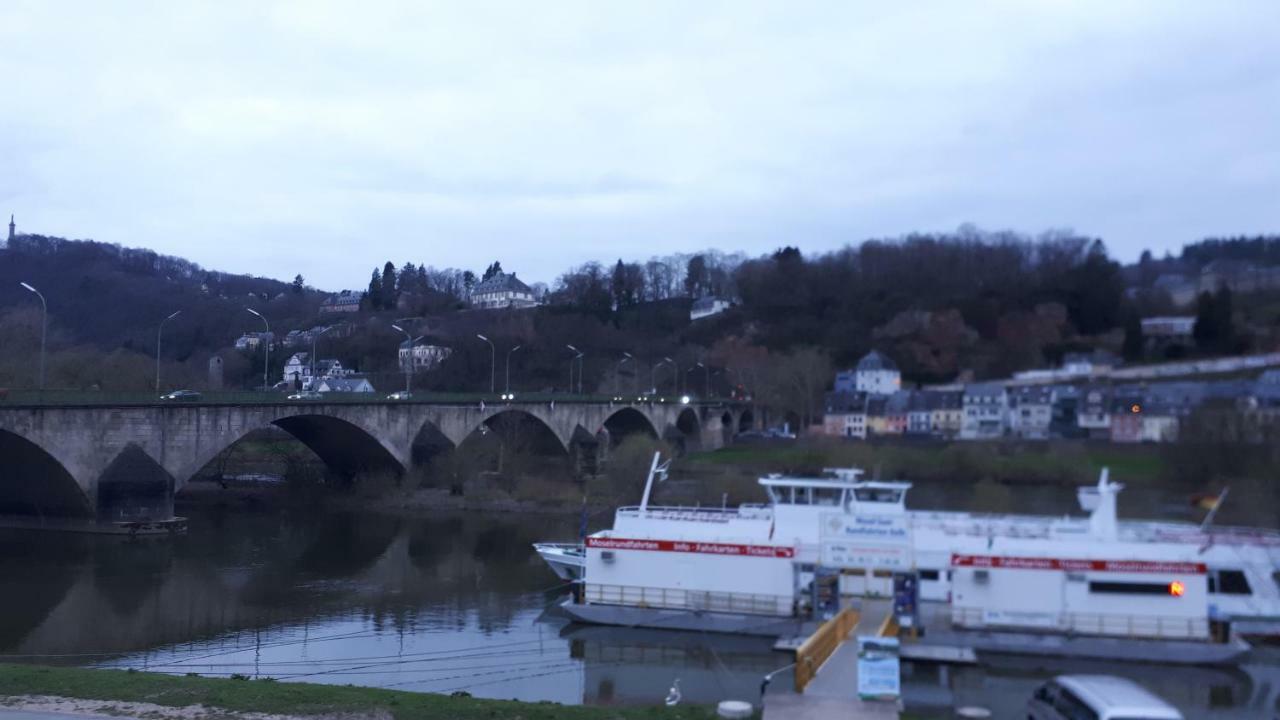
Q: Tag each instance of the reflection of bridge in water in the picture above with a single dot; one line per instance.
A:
(128, 461)
(73, 594)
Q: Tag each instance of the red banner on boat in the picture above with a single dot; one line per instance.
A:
(1042, 563)
(691, 546)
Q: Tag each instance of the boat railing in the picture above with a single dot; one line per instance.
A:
(681, 599)
(1103, 624)
(687, 512)
(568, 548)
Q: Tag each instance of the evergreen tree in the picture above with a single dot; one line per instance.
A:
(388, 294)
(373, 297)
(1205, 331)
(1223, 320)
(298, 284)
(695, 278)
(492, 270)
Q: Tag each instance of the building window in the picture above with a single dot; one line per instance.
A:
(1233, 582)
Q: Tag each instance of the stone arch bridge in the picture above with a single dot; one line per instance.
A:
(56, 460)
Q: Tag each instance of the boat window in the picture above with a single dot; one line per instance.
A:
(877, 495)
(1233, 582)
(826, 496)
(928, 574)
(1129, 588)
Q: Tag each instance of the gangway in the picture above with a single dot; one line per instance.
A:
(827, 670)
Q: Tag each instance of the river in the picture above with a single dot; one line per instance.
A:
(450, 602)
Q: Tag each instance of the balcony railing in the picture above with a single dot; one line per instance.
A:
(681, 599)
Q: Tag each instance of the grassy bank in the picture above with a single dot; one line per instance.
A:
(300, 698)
(1064, 462)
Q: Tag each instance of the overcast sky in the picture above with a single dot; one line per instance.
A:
(278, 138)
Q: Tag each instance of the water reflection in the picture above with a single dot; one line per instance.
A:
(443, 603)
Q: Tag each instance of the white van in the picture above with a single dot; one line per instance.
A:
(1097, 697)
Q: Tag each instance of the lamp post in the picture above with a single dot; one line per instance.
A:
(653, 375)
(44, 325)
(266, 346)
(507, 371)
(577, 357)
(706, 379)
(493, 359)
(314, 337)
(618, 371)
(159, 331)
(675, 381)
(408, 367)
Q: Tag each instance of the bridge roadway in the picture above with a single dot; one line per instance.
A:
(75, 448)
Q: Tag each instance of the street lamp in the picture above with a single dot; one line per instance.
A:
(44, 326)
(618, 371)
(653, 375)
(706, 380)
(675, 380)
(507, 385)
(266, 346)
(493, 359)
(577, 357)
(408, 367)
(316, 336)
(158, 336)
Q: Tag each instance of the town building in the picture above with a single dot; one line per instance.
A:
(985, 405)
(1240, 276)
(897, 410)
(1182, 291)
(1128, 406)
(877, 420)
(502, 290)
(845, 415)
(1031, 411)
(1177, 328)
(1097, 362)
(1093, 414)
(422, 355)
(1064, 420)
(708, 306)
(875, 374)
(342, 385)
(301, 370)
(253, 341)
(347, 301)
(919, 414)
(946, 412)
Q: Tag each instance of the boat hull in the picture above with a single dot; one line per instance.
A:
(666, 619)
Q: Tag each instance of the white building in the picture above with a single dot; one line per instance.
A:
(708, 306)
(877, 375)
(422, 356)
(502, 290)
(985, 407)
(347, 301)
(344, 384)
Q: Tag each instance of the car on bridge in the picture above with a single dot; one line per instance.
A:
(181, 396)
(306, 395)
(400, 395)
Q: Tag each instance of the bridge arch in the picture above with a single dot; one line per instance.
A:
(134, 487)
(628, 421)
(343, 446)
(55, 493)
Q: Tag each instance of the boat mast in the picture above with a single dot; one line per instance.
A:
(654, 470)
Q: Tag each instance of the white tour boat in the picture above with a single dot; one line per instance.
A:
(751, 568)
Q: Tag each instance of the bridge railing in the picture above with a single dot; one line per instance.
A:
(28, 397)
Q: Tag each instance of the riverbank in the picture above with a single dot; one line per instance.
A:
(33, 686)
